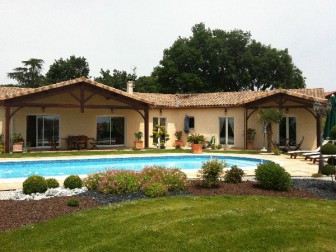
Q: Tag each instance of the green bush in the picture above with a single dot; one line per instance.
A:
(328, 149)
(333, 133)
(219, 146)
(234, 175)
(211, 172)
(332, 160)
(155, 189)
(72, 182)
(173, 178)
(73, 202)
(328, 170)
(34, 184)
(213, 146)
(52, 183)
(119, 182)
(91, 182)
(272, 176)
(317, 175)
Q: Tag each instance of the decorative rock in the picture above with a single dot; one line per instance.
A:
(52, 192)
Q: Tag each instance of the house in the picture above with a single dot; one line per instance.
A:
(85, 107)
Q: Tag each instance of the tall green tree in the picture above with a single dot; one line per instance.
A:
(71, 68)
(217, 60)
(268, 117)
(147, 84)
(117, 79)
(30, 74)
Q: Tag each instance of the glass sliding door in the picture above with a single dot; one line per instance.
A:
(287, 130)
(110, 130)
(226, 130)
(41, 129)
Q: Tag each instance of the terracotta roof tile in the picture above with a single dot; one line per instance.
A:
(222, 99)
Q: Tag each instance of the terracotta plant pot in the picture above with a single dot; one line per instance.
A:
(138, 144)
(18, 147)
(179, 143)
(249, 145)
(197, 148)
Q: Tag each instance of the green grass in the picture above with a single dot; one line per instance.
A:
(112, 152)
(186, 224)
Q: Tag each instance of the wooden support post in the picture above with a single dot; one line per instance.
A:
(318, 129)
(7, 129)
(82, 98)
(146, 127)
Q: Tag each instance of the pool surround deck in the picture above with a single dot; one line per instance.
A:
(296, 167)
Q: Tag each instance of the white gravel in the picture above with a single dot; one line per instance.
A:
(53, 192)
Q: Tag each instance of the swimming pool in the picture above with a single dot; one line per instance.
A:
(62, 167)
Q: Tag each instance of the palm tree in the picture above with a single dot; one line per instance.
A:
(268, 117)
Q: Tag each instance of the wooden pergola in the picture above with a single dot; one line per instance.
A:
(87, 90)
(283, 101)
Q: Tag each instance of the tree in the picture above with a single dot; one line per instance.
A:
(268, 117)
(117, 80)
(214, 61)
(63, 70)
(147, 84)
(30, 74)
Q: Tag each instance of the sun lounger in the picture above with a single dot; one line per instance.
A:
(317, 157)
(306, 153)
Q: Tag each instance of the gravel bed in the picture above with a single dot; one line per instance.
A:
(325, 188)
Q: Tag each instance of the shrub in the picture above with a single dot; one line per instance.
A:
(328, 149)
(155, 189)
(333, 133)
(317, 175)
(73, 202)
(332, 161)
(173, 178)
(272, 176)
(72, 182)
(219, 146)
(213, 146)
(119, 182)
(52, 183)
(91, 182)
(34, 184)
(328, 170)
(210, 172)
(234, 175)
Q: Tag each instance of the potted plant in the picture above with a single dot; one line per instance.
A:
(18, 142)
(196, 141)
(160, 136)
(138, 144)
(250, 136)
(178, 141)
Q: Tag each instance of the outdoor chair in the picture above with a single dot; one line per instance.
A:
(291, 146)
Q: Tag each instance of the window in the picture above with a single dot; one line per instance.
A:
(191, 122)
(226, 130)
(287, 130)
(42, 128)
(110, 130)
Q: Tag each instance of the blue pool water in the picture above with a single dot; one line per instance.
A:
(24, 169)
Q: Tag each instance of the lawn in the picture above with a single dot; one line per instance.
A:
(186, 223)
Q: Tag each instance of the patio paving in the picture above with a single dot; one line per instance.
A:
(296, 167)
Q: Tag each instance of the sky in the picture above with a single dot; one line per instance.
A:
(123, 34)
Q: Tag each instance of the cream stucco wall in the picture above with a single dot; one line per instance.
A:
(73, 122)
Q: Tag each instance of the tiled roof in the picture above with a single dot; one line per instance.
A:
(227, 98)
(9, 92)
(178, 100)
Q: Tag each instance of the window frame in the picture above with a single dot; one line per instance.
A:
(226, 121)
(125, 131)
